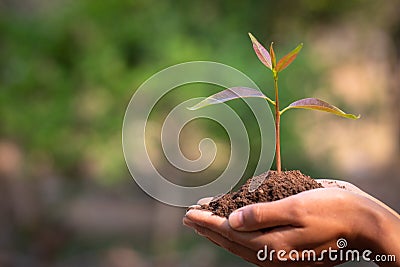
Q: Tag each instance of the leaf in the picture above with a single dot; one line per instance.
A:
(317, 104)
(230, 94)
(273, 57)
(286, 60)
(261, 52)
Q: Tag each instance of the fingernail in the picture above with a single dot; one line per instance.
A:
(187, 223)
(236, 219)
(189, 211)
(193, 207)
(199, 232)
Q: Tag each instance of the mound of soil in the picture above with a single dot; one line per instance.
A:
(275, 187)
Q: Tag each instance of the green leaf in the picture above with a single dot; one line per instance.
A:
(261, 52)
(230, 94)
(286, 60)
(273, 57)
(317, 104)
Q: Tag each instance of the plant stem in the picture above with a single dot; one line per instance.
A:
(277, 126)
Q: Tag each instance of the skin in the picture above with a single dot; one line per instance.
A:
(314, 219)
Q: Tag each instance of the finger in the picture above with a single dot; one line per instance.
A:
(252, 255)
(205, 200)
(195, 227)
(201, 216)
(195, 206)
(277, 238)
(188, 223)
(206, 219)
(265, 215)
(233, 247)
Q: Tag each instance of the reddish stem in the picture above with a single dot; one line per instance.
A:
(277, 127)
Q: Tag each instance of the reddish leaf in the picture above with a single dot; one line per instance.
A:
(230, 94)
(261, 52)
(317, 104)
(286, 60)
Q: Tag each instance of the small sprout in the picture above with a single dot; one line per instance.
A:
(269, 60)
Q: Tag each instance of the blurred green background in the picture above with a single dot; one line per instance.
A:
(69, 68)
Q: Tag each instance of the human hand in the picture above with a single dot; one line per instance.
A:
(314, 219)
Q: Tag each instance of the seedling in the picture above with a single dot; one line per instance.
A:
(269, 60)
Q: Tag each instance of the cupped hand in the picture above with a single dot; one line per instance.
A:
(312, 220)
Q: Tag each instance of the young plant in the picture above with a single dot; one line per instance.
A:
(269, 60)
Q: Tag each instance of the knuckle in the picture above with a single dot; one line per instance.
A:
(297, 210)
(228, 234)
(255, 215)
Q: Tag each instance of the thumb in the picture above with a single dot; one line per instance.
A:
(263, 215)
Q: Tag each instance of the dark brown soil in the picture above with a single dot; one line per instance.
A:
(275, 187)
